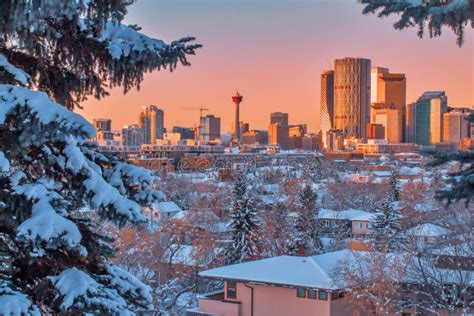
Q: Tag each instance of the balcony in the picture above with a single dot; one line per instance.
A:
(215, 304)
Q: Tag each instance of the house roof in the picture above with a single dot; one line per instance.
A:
(428, 230)
(312, 272)
(167, 207)
(350, 214)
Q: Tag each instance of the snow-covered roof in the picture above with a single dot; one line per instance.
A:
(167, 207)
(312, 272)
(350, 214)
(410, 171)
(428, 230)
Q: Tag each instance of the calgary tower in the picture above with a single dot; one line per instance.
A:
(237, 98)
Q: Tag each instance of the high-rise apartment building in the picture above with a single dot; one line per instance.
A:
(390, 119)
(456, 126)
(210, 128)
(102, 124)
(279, 118)
(151, 120)
(430, 108)
(327, 104)
(278, 134)
(410, 123)
(133, 135)
(352, 96)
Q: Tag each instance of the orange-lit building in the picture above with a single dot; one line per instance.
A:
(375, 131)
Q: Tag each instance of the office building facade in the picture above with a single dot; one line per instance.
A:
(279, 118)
(430, 108)
(352, 96)
(327, 104)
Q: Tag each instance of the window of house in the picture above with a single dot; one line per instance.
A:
(312, 294)
(231, 289)
(325, 223)
(336, 295)
(301, 292)
(322, 295)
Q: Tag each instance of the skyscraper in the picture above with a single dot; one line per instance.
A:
(352, 96)
(430, 108)
(456, 126)
(391, 119)
(327, 104)
(278, 134)
(374, 75)
(390, 89)
(151, 119)
(410, 125)
(279, 118)
(210, 128)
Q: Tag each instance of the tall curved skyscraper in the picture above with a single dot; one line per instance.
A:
(352, 96)
(327, 104)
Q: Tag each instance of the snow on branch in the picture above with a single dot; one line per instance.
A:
(77, 288)
(18, 74)
(126, 42)
(45, 224)
(43, 109)
(14, 303)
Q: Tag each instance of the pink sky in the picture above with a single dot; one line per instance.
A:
(273, 52)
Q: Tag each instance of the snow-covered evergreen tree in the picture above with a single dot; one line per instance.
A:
(74, 49)
(312, 169)
(244, 223)
(307, 225)
(386, 230)
(395, 187)
(55, 188)
(460, 183)
(435, 14)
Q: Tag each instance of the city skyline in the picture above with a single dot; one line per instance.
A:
(259, 66)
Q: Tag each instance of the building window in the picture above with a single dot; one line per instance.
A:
(323, 295)
(231, 289)
(312, 294)
(325, 223)
(301, 292)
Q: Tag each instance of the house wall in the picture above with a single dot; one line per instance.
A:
(356, 231)
(219, 307)
(272, 300)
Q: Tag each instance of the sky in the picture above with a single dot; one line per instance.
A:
(273, 52)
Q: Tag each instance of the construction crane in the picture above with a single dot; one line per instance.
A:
(199, 127)
(200, 109)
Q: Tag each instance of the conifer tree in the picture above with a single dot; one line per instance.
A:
(56, 189)
(386, 229)
(312, 169)
(307, 225)
(395, 187)
(460, 183)
(244, 223)
(434, 14)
